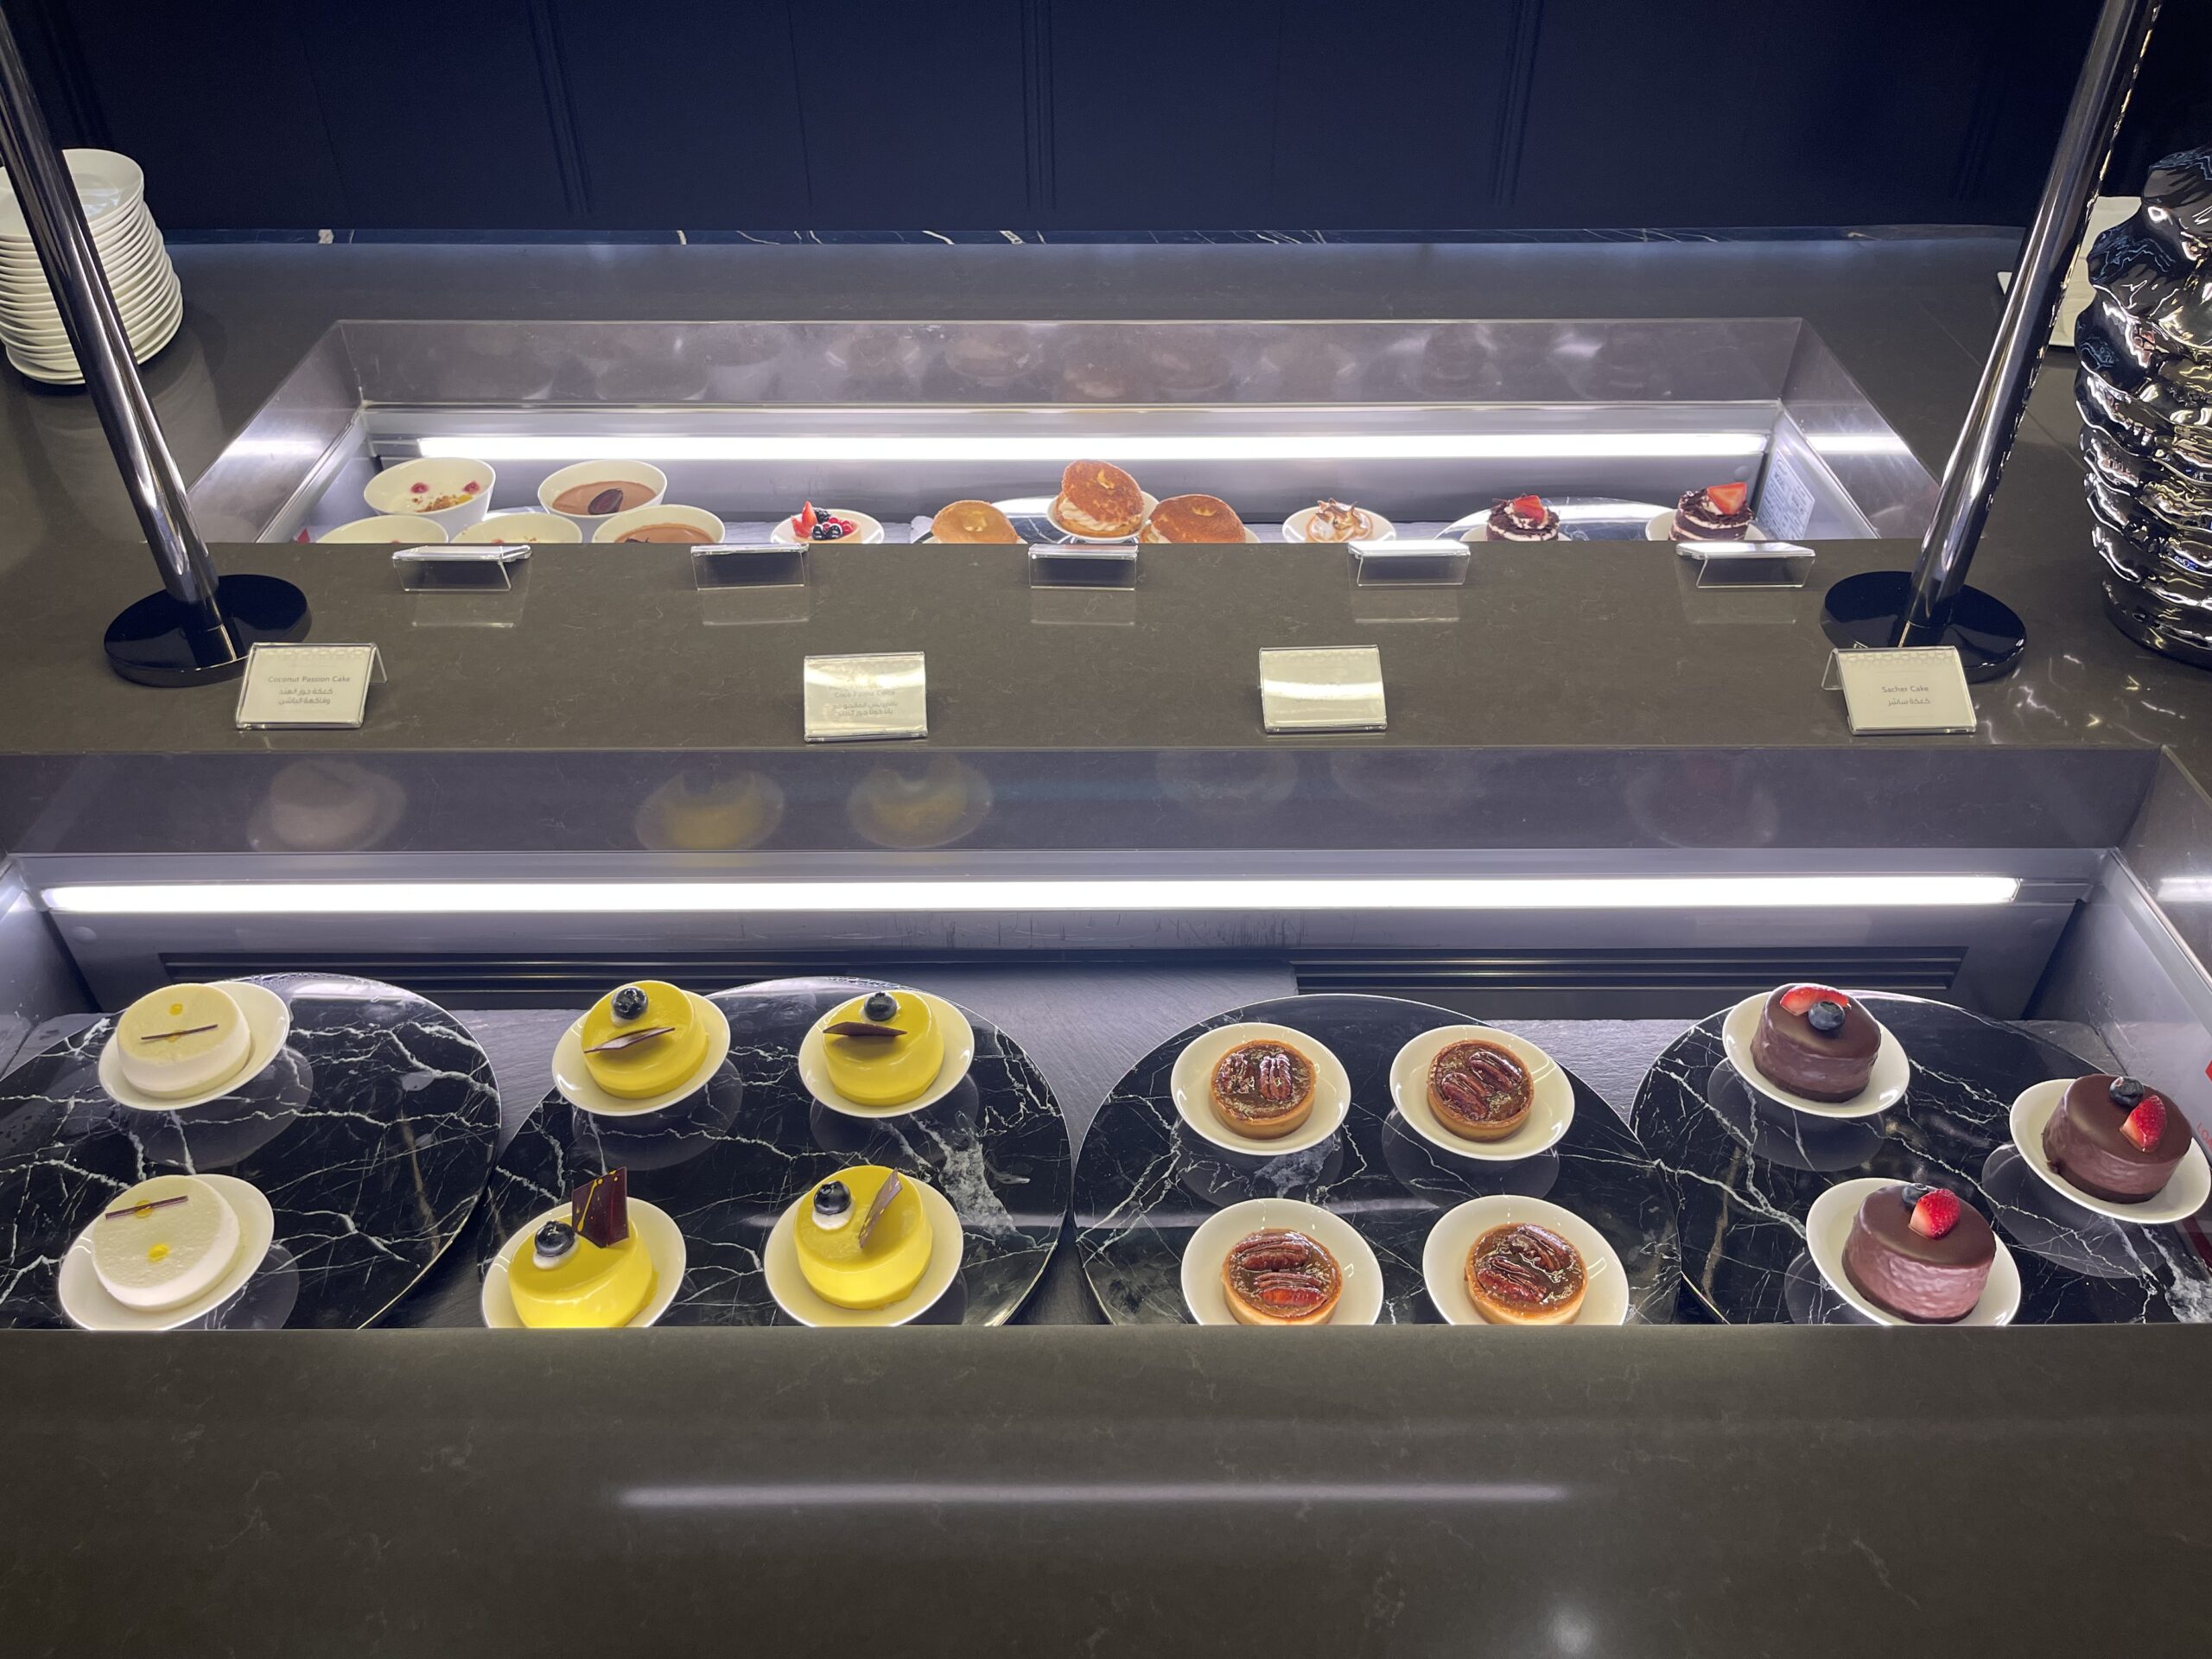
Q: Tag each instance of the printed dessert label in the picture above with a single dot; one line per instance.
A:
(849, 699)
(1903, 692)
(307, 687)
(1335, 690)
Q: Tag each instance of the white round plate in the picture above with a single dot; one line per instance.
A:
(1294, 528)
(1549, 1113)
(664, 1242)
(268, 1023)
(89, 1307)
(1360, 1302)
(787, 1281)
(867, 530)
(1828, 1225)
(1191, 1083)
(107, 182)
(1885, 1084)
(1444, 1257)
(1041, 506)
(959, 1055)
(2181, 1197)
(1661, 528)
(572, 1076)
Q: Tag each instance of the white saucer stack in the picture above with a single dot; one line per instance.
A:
(131, 250)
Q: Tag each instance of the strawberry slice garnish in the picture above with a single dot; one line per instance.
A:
(1729, 497)
(1936, 1213)
(1799, 999)
(1528, 506)
(806, 520)
(2146, 1125)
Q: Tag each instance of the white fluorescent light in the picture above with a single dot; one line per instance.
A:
(1059, 450)
(1858, 443)
(525, 898)
(1279, 1496)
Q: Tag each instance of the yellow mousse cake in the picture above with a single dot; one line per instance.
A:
(863, 1241)
(589, 1273)
(643, 1040)
(181, 1040)
(890, 1050)
(164, 1242)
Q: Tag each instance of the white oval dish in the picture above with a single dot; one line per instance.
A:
(392, 490)
(1191, 1083)
(601, 471)
(1549, 1113)
(1828, 1225)
(268, 1023)
(1294, 528)
(89, 1307)
(867, 530)
(1885, 1084)
(663, 1243)
(1444, 1257)
(959, 1056)
(511, 529)
(1360, 1302)
(615, 526)
(787, 1281)
(2183, 1196)
(572, 1076)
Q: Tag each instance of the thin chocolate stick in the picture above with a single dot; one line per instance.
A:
(171, 1036)
(146, 1209)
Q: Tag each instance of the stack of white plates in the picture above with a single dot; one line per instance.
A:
(131, 250)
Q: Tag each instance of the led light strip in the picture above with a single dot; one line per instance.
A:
(1060, 450)
(524, 897)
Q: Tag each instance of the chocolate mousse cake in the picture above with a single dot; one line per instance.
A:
(1816, 1042)
(1718, 512)
(1524, 519)
(1920, 1253)
(2116, 1139)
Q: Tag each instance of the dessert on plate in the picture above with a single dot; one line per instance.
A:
(1480, 1090)
(812, 524)
(1920, 1253)
(1522, 1274)
(1718, 512)
(1524, 519)
(1097, 499)
(973, 521)
(163, 1243)
(702, 809)
(602, 497)
(1192, 518)
(181, 1040)
(590, 1272)
(1263, 1089)
(883, 1049)
(1339, 521)
(2116, 1139)
(1816, 1042)
(643, 1039)
(896, 805)
(1277, 1276)
(862, 1238)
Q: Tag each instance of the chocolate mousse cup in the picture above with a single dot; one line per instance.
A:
(1927, 1280)
(2085, 1144)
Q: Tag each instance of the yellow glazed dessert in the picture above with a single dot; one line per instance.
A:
(589, 1273)
(891, 1055)
(859, 1246)
(626, 1062)
(698, 811)
(164, 1242)
(181, 1040)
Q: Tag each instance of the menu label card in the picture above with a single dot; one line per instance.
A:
(1917, 689)
(1335, 690)
(309, 687)
(849, 699)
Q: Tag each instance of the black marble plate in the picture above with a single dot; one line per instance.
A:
(1145, 1183)
(1747, 1171)
(730, 1161)
(371, 1136)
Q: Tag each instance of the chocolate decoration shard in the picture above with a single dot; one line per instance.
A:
(601, 1209)
(864, 1028)
(890, 1190)
(605, 502)
(144, 1209)
(630, 1038)
(171, 1036)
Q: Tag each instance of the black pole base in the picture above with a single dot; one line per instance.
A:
(1869, 609)
(158, 641)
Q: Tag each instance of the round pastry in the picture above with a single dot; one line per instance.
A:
(164, 1242)
(1263, 1089)
(560, 1281)
(182, 1040)
(2116, 1139)
(1524, 519)
(1280, 1277)
(973, 521)
(1192, 518)
(903, 808)
(1920, 1253)
(884, 1049)
(704, 810)
(1480, 1090)
(1522, 1274)
(859, 1247)
(1718, 512)
(643, 1040)
(1339, 521)
(1816, 1042)
(1097, 499)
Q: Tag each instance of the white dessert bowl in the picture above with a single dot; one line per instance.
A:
(601, 471)
(615, 526)
(398, 489)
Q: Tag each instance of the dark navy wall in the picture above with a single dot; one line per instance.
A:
(1066, 114)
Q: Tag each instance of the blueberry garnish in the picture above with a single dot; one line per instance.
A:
(630, 1003)
(880, 1008)
(555, 1238)
(831, 1199)
(1913, 1192)
(829, 531)
(2126, 1091)
(1824, 1017)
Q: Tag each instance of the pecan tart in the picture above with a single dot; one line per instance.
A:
(1279, 1277)
(1480, 1090)
(1263, 1089)
(1525, 1275)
